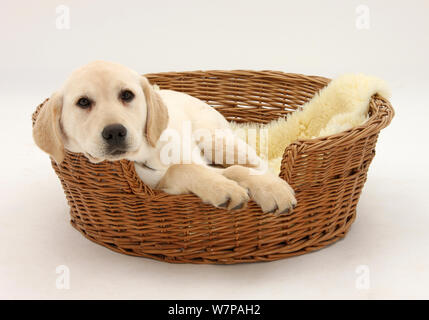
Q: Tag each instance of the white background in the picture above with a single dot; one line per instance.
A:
(390, 235)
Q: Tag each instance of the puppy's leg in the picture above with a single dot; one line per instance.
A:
(207, 184)
(270, 192)
(223, 148)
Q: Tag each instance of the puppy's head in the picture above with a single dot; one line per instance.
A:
(104, 110)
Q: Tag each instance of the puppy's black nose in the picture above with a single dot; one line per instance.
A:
(114, 134)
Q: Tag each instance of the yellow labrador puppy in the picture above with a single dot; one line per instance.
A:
(179, 143)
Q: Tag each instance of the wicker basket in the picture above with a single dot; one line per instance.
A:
(111, 206)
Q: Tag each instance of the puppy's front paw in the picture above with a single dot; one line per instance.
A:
(272, 194)
(224, 193)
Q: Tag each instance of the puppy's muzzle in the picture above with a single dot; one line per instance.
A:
(114, 135)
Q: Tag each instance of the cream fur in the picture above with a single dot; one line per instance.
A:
(341, 105)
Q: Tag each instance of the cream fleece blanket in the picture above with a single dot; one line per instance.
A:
(341, 105)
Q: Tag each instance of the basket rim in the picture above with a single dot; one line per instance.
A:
(258, 74)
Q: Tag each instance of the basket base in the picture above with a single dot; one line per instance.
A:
(233, 260)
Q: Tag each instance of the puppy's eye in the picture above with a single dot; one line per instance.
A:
(126, 95)
(83, 103)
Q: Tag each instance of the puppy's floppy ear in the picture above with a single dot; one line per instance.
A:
(47, 131)
(157, 114)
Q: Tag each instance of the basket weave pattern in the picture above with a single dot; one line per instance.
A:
(111, 206)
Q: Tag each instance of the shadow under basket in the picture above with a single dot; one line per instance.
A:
(111, 206)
